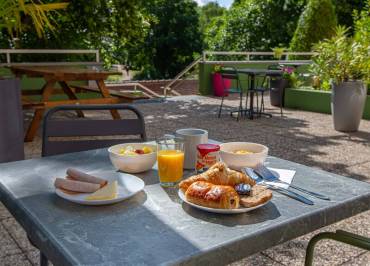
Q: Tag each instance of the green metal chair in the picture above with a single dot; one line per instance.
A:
(231, 73)
(340, 236)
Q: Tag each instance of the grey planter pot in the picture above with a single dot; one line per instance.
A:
(277, 90)
(347, 105)
(11, 121)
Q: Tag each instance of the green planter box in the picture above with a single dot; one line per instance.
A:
(315, 101)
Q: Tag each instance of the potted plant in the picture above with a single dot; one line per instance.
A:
(219, 84)
(345, 62)
(278, 52)
(289, 79)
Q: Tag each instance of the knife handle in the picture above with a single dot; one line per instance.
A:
(317, 195)
(291, 194)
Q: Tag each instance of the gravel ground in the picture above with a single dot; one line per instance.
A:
(303, 137)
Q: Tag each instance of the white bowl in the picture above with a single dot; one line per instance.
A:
(237, 161)
(133, 164)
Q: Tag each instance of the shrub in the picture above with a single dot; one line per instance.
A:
(317, 22)
(255, 25)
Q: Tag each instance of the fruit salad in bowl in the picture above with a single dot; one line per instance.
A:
(133, 157)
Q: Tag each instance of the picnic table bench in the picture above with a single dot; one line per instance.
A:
(54, 75)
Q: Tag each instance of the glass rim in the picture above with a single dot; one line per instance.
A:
(170, 141)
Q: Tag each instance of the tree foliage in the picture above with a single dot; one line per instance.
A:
(109, 26)
(17, 15)
(255, 25)
(208, 13)
(317, 22)
(344, 10)
(173, 38)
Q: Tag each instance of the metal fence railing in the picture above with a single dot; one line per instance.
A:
(7, 59)
(255, 57)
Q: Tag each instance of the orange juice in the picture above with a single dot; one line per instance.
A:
(170, 165)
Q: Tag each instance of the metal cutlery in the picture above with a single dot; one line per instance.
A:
(268, 175)
(259, 180)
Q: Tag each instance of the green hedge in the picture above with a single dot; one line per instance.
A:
(314, 101)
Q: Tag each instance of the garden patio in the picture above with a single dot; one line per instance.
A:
(304, 137)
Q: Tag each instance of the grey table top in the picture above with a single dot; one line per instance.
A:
(155, 227)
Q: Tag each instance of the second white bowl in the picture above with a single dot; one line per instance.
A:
(237, 161)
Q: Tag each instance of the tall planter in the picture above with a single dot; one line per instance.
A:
(277, 89)
(220, 84)
(347, 105)
(11, 121)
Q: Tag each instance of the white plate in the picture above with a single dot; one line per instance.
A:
(223, 211)
(128, 186)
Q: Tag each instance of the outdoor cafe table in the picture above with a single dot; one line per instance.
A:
(63, 76)
(155, 227)
(253, 73)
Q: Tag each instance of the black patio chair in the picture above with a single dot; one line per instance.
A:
(231, 73)
(265, 86)
(89, 128)
(261, 86)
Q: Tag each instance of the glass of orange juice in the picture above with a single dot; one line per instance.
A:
(170, 158)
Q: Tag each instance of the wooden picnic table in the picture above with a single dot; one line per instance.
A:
(54, 75)
(155, 227)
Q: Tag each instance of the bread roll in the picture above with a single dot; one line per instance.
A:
(259, 195)
(218, 174)
(83, 177)
(76, 186)
(212, 196)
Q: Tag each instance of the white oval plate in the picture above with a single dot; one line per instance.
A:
(128, 186)
(223, 211)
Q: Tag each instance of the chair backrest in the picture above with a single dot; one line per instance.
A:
(229, 73)
(67, 129)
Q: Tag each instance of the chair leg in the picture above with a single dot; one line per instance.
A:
(262, 103)
(240, 105)
(340, 236)
(222, 102)
(43, 259)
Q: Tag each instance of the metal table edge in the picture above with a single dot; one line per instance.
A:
(29, 223)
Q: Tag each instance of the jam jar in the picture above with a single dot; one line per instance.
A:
(208, 155)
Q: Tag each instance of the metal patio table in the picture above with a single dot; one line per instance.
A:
(155, 227)
(253, 73)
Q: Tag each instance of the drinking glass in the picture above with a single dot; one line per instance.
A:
(170, 157)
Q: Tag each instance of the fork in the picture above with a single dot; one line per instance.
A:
(268, 175)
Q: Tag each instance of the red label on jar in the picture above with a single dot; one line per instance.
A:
(208, 155)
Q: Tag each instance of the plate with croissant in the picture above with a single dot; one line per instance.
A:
(223, 190)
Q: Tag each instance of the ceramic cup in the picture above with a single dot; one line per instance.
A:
(192, 137)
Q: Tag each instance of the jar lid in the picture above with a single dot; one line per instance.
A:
(208, 147)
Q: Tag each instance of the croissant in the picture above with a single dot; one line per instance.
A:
(218, 174)
(212, 196)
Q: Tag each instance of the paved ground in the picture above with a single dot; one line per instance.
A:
(303, 137)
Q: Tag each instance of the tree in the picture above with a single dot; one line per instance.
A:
(252, 25)
(344, 10)
(208, 12)
(110, 26)
(17, 15)
(173, 38)
(317, 22)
